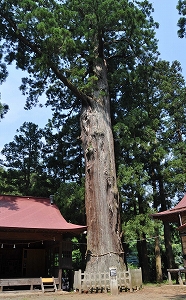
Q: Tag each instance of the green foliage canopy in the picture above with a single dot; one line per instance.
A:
(181, 6)
(57, 43)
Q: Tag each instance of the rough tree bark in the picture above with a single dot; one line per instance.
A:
(167, 234)
(168, 247)
(142, 244)
(157, 249)
(104, 248)
(159, 275)
(143, 258)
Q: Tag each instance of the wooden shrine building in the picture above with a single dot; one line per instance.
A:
(176, 215)
(34, 240)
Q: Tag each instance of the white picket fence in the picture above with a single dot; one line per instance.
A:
(127, 280)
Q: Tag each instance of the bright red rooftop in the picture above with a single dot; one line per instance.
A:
(33, 213)
(172, 215)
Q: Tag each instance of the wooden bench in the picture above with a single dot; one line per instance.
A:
(31, 282)
(48, 284)
(178, 272)
(15, 282)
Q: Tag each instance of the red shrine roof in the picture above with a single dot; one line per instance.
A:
(23, 212)
(172, 215)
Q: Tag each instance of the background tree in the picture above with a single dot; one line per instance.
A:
(182, 20)
(149, 168)
(70, 200)
(8, 185)
(62, 152)
(3, 110)
(3, 107)
(78, 50)
(3, 74)
(23, 156)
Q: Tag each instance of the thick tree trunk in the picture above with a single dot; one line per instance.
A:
(143, 258)
(167, 234)
(157, 249)
(142, 244)
(168, 246)
(159, 275)
(104, 248)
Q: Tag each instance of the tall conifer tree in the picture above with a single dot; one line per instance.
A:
(78, 52)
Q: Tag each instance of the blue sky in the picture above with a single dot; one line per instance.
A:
(170, 46)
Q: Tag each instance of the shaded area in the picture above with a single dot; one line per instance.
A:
(8, 202)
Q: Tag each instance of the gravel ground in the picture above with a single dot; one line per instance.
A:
(163, 292)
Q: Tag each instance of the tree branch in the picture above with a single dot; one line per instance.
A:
(84, 98)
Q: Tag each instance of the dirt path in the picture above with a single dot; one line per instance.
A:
(164, 292)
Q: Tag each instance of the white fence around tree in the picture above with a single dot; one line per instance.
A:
(127, 280)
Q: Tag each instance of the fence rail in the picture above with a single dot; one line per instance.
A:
(126, 280)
